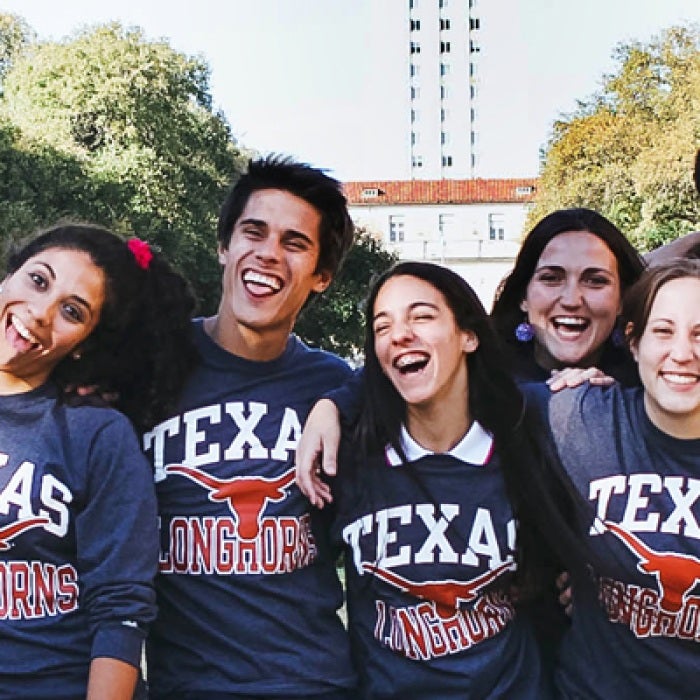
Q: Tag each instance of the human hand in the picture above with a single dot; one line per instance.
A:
(317, 452)
(566, 598)
(575, 376)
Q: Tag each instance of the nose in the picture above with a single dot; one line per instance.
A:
(682, 348)
(41, 309)
(268, 248)
(571, 294)
(401, 332)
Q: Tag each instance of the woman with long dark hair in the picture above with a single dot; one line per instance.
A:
(560, 305)
(444, 462)
(78, 526)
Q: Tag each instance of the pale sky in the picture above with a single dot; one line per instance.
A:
(313, 78)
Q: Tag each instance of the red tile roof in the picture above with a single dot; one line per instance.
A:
(440, 191)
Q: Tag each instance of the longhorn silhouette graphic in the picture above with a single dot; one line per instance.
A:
(676, 574)
(246, 495)
(9, 532)
(445, 594)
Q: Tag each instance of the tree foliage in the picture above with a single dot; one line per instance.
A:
(628, 151)
(15, 34)
(128, 124)
(335, 319)
(110, 127)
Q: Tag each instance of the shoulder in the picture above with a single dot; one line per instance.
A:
(93, 417)
(592, 415)
(319, 359)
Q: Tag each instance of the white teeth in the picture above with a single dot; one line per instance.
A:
(23, 331)
(257, 278)
(410, 359)
(570, 321)
(680, 378)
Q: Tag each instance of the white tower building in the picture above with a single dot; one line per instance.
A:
(443, 51)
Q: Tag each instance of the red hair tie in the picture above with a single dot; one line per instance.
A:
(141, 252)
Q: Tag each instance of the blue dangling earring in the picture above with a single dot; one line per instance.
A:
(524, 332)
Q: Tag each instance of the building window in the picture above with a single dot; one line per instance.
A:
(447, 161)
(473, 138)
(443, 4)
(497, 224)
(444, 92)
(415, 47)
(472, 69)
(473, 161)
(396, 228)
(444, 47)
(444, 114)
(446, 224)
(473, 47)
(472, 114)
(414, 70)
(415, 25)
(444, 69)
(444, 24)
(474, 23)
(444, 138)
(417, 161)
(415, 93)
(414, 116)
(415, 138)
(412, 4)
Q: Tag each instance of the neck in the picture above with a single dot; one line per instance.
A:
(12, 384)
(246, 342)
(681, 426)
(437, 429)
(549, 362)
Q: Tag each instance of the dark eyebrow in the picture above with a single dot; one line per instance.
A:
(255, 222)
(588, 270)
(260, 223)
(49, 269)
(411, 307)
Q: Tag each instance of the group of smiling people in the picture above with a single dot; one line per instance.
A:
(459, 496)
(466, 476)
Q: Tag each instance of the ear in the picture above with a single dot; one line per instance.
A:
(323, 279)
(523, 305)
(221, 252)
(632, 344)
(470, 341)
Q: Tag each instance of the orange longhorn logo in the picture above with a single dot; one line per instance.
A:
(676, 574)
(445, 594)
(246, 495)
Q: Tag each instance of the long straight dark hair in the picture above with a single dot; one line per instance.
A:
(542, 497)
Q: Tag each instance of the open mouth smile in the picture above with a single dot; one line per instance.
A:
(411, 362)
(20, 336)
(570, 325)
(680, 378)
(260, 284)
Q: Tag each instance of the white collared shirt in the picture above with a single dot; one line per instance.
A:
(475, 447)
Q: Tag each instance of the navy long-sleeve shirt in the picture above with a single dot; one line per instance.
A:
(78, 544)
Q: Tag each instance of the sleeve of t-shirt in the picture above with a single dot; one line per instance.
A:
(117, 543)
(348, 398)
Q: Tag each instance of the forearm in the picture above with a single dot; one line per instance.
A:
(111, 679)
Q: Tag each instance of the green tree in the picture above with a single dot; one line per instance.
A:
(628, 151)
(136, 117)
(335, 320)
(15, 34)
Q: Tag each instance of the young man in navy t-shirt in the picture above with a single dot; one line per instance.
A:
(247, 590)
